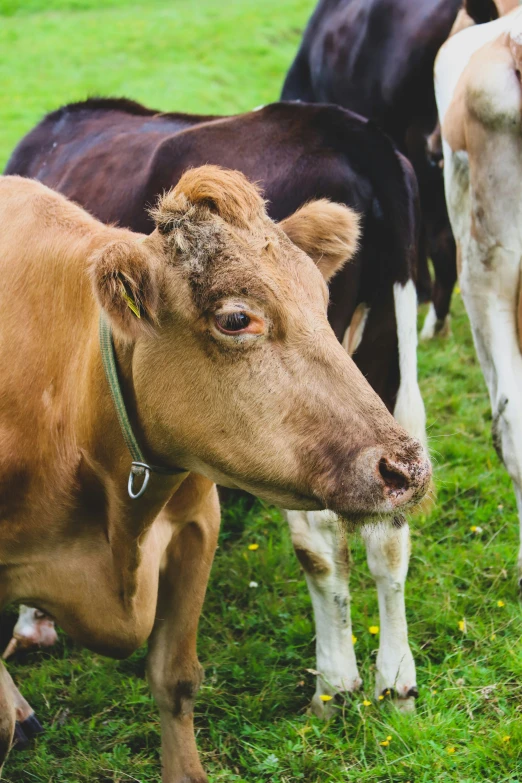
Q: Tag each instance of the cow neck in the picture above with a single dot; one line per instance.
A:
(140, 467)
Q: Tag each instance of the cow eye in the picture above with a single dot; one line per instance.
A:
(230, 323)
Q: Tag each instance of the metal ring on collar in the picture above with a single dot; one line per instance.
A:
(138, 469)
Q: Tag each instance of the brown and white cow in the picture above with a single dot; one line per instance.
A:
(479, 96)
(229, 372)
(115, 156)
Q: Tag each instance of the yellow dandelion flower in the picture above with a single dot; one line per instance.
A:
(253, 547)
(374, 629)
(384, 743)
(381, 697)
(325, 697)
(473, 528)
(354, 639)
(506, 738)
(500, 604)
(450, 750)
(493, 637)
(367, 703)
(389, 738)
(462, 625)
(433, 692)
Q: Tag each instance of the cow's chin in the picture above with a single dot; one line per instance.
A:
(275, 494)
(371, 522)
(350, 522)
(376, 513)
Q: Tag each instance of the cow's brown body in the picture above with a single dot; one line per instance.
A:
(227, 404)
(114, 157)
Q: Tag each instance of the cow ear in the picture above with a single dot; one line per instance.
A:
(125, 276)
(327, 232)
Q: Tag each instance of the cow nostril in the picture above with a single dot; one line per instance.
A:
(393, 477)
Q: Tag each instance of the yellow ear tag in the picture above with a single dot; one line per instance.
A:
(131, 304)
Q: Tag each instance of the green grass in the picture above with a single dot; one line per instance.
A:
(256, 644)
(194, 55)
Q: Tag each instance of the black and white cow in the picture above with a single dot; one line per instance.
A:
(376, 57)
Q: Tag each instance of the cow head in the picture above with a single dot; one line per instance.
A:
(236, 371)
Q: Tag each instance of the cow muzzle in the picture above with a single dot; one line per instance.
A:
(403, 482)
(380, 482)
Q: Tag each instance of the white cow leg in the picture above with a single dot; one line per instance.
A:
(507, 434)
(321, 548)
(388, 552)
(490, 295)
(505, 384)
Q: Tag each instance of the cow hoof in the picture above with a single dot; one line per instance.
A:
(405, 705)
(434, 326)
(31, 726)
(395, 678)
(20, 741)
(326, 709)
(443, 328)
(405, 701)
(25, 731)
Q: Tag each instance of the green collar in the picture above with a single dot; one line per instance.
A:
(139, 466)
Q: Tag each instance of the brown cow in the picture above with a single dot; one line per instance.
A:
(228, 371)
(114, 157)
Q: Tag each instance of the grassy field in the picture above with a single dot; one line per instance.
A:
(257, 643)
